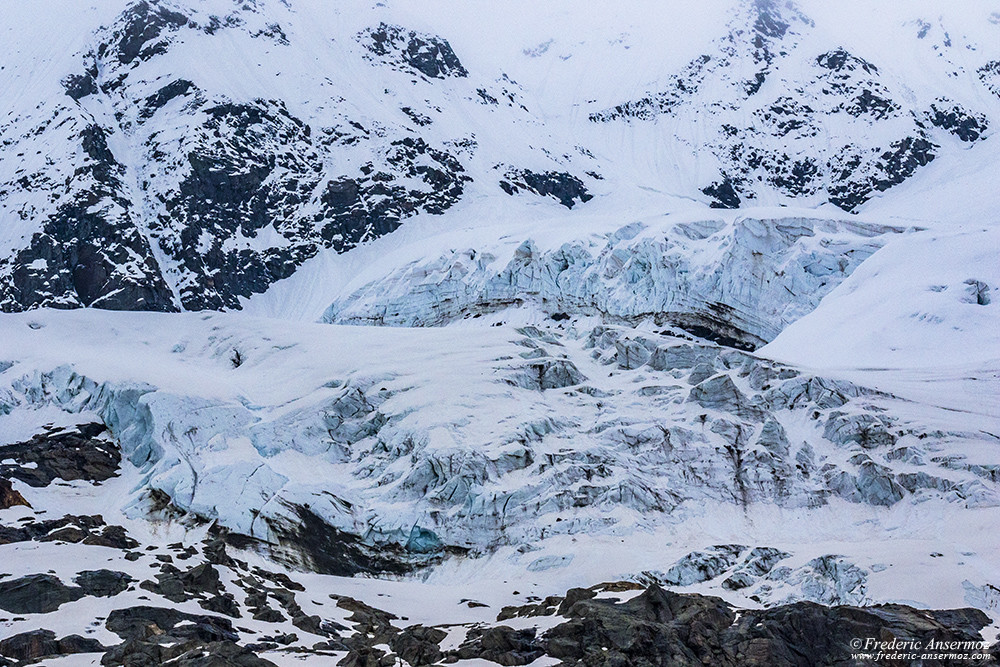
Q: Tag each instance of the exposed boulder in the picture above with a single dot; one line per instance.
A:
(9, 497)
(103, 583)
(89, 530)
(566, 188)
(426, 54)
(36, 594)
(77, 453)
(28, 647)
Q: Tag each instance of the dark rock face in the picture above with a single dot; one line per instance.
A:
(9, 497)
(159, 99)
(89, 251)
(419, 645)
(427, 54)
(132, 621)
(568, 189)
(502, 645)
(79, 86)
(840, 60)
(989, 74)
(90, 530)
(675, 92)
(786, 146)
(66, 455)
(332, 551)
(200, 582)
(957, 120)
(156, 635)
(103, 583)
(723, 193)
(186, 654)
(899, 162)
(36, 594)
(30, 646)
(140, 29)
(663, 628)
(215, 200)
(659, 628)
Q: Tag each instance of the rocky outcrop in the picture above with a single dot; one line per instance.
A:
(36, 594)
(77, 453)
(661, 628)
(566, 188)
(200, 582)
(88, 530)
(28, 647)
(836, 129)
(157, 635)
(174, 195)
(103, 583)
(424, 54)
(9, 497)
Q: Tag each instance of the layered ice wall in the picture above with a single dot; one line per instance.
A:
(432, 439)
(741, 281)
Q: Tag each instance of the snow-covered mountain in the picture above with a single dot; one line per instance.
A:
(451, 307)
(184, 155)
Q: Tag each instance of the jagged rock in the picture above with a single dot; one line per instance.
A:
(9, 497)
(199, 582)
(502, 645)
(137, 653)
(30, 646)
(659, 628)
(566, 188)
(67, 455)
(367, 656)
(36, 594)
(573, 596)
(367, 619)
(134, 622)
(419, 645)
(547, 607)
(103, 583)
(426, 54)
(957, 120)
(646, 630)
(786, 144)
(332, 551)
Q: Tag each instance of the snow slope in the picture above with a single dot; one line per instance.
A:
(139, 174)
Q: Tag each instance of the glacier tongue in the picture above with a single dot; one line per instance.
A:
(741, 282)
(553, 430)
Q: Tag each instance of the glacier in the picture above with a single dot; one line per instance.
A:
(446, 333)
